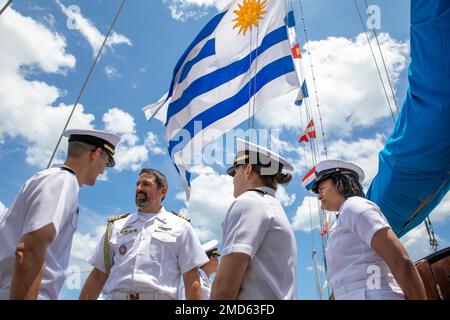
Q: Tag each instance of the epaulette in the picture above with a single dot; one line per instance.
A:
(120, 216)
(106, 245)
(182, 216)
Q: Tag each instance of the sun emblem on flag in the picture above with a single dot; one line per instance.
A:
(249, 14)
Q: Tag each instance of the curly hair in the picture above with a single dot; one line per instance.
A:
(347, 184)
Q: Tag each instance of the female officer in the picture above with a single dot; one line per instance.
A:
(366, 259)
(258, 248)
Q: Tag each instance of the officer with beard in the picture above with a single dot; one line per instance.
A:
(143, 255)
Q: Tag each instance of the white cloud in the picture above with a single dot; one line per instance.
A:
(183, 10)
(30, 102)
(211, 196)
(307, 218)
(103, 177)
(119, 121)
(441, 214)
(26, 106)
(49, 20)
(3, 210)
(362, 151)
(90, 32)
(131, 157)
(285, 198)
(153, 145)
(129, 153)
(112, 72)
(84, 245)
(350, 92)
(417, 243)
(27, 42)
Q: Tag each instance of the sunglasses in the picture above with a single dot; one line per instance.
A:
(106, 157)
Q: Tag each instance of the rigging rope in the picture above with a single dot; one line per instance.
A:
(374, 59)
(315, 156)
(384, 62)
(87, 80)
(314, 78)
(433, 241)
(5, 6)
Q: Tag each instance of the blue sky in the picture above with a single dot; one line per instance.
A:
(43, 64)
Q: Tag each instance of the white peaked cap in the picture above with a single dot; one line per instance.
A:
(106, 140)
(243, 145)
(210, 245)
(111, 138)
(326, 168)
(329, 166)
(261, 155)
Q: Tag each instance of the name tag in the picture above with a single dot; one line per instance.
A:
(161, 228)
(126, 231)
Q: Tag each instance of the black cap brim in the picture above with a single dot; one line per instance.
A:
(231, 171)
(315, 186)
(327, 174)
(111, 162)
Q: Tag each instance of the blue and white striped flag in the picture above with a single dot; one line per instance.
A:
(232, 64)
(302, 94)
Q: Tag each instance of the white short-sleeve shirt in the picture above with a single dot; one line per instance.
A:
(257, 225)
(48, 197)
(149, 253)
(205, 284)
(352, 263)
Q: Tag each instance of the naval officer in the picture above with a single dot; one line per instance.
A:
(259, 251)
(36, 233)
(206, 270)
(143, 255)
(366, 259)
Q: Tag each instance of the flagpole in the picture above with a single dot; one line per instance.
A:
(87, 80)
(5, 6)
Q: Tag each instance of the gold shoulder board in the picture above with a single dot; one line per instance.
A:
(120, 216)
(182, 216)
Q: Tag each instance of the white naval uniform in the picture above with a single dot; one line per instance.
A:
(353, 264)
(257, 225)
(48, 197)
(149, 254)
(205, 283)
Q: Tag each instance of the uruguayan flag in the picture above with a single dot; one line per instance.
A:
(240, 60)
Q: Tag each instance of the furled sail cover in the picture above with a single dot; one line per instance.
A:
(414, 167)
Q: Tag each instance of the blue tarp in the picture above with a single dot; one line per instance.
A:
(414, 167)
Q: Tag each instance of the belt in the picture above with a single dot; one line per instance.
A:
(117, 295)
